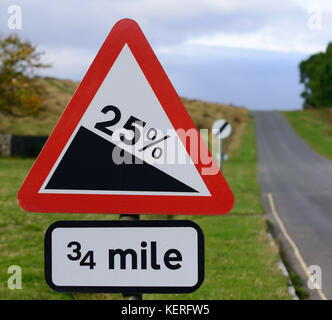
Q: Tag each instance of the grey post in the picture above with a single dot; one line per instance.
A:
(131, 296)
(221, 156)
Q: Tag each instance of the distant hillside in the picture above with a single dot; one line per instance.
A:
(59, 92)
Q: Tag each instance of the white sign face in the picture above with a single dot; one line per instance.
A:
(125, 115)
(124, 256)
(221, 129)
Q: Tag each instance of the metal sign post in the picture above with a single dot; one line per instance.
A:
(220, 155)
(129, 296)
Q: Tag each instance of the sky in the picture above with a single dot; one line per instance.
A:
(241, 52)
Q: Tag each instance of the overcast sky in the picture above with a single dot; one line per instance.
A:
(244, 52)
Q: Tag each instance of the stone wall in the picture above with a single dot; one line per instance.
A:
(21, 146)
(5, 141)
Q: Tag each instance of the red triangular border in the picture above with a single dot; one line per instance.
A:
(124, 32)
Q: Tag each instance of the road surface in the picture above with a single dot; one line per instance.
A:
(296, 185)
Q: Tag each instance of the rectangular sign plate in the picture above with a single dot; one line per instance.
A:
(124, 256)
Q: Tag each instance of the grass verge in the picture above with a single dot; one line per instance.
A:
(315, 127)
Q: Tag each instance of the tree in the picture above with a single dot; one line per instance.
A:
(316, 75)
(20, 93)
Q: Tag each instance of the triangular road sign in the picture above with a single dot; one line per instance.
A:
(121, 145)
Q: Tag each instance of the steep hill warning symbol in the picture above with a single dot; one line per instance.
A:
(119, 146)
(78, 170)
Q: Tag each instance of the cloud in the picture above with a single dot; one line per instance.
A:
(194, 39)
(257, 79)
(66, 63)
(304, 27)
(267, 38)
(84, 24)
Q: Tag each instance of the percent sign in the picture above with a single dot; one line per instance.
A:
(152, 135)
(132, 125)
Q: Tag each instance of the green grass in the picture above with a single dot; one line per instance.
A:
(240, 262)
(315, 127)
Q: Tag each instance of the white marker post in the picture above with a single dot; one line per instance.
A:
(222, 130)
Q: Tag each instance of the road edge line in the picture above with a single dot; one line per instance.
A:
(292, 243)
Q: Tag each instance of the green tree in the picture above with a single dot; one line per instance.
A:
(20, 92)
(316, 75)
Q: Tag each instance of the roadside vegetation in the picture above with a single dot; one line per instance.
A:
(314, 123)
(20, 93)
(315, 127)
(316, 76)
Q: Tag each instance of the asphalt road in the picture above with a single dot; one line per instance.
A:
(297, 182)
